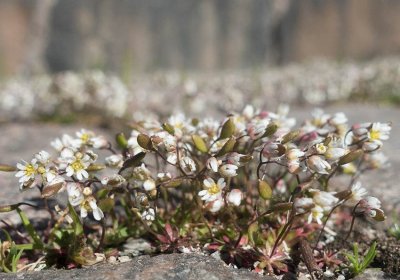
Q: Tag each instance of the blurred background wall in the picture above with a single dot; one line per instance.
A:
(123, 36)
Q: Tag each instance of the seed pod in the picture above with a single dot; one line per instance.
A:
(228, 147)
(96, 167)
(8, 208)
(49, 191)
(290, 136)
(350, 157)
(107, 204)
(343, 194)
(270, 130)
(264, 189)
(199, 143)
(168, 128)
(282, 207)
(7, 168)
(144, 141)
(121, 140)
(380, 215)
(227, 129)
(134, 161)
(173, 183)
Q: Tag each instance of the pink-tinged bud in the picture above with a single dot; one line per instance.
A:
(212, 164)
(317, 164)
(235, 197)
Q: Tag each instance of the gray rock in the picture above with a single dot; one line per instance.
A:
(162, 267)
(136, 247)
(373, 274)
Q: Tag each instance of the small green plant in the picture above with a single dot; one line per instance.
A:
(394, 231)
(357, 264)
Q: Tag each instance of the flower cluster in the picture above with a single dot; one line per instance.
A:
(254, 184)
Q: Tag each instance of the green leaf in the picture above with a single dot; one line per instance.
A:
(30, 229)
(370, 256)
(78, 228)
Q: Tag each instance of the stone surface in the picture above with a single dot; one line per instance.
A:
(163, 267)
(374, 274)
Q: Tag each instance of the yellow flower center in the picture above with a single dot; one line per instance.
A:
(374, 134)
(214, 189)
(30, 170)
(41, 170)
(85, 137)
(77, 165)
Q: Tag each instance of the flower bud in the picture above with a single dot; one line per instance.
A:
(235, 197)
(212, 164)
(228, 170)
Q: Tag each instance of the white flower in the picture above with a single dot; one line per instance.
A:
(85, 136)
(317, 164)
(99, 142)
(338, 119)
(91, 205)
(27, 171)
(334, 153)
(371, 208)
(256, 128)
(379, 131)
(370, 202)
(149, 215)
(149, 185)
(66, 142)
(228, 170)
(303, 205)
(76, 164)
(235, 197)
(75, 195)
(84, 199)
(212, 164)
(357, 192)
(317, 213)
(215, 205)
(294, 154)
(212, 190)
(320, 148)
(324, 199)
(114, 161)
(188, 165)
(43, 157)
